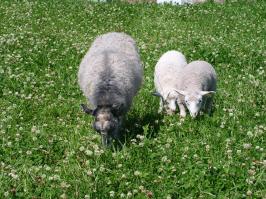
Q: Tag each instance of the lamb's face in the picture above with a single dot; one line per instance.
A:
(170, 103)
(107, 125)
(193, 102)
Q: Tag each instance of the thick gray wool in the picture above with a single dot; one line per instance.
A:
(111, 71)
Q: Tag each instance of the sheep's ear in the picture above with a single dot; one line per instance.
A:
(207, 93)
(184, 93)
(87, 110)
(157, 94)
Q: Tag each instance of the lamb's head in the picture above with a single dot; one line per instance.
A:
(107, 121)
(169, 101)
(195, 100)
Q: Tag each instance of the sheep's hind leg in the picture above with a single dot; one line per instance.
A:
(208, 105)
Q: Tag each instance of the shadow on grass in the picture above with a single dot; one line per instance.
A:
(147, 125)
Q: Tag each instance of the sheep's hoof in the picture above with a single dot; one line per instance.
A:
(182, 115)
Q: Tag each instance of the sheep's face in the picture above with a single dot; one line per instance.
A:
(107, 122)
(195, 100)
(169, 103)
(107, 125)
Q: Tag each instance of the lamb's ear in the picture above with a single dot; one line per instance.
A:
(207, 93)
(157, 94)
(87, 110)
(184, 93)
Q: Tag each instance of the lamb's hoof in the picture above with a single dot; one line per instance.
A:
(182, 115)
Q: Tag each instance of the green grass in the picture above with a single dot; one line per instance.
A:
(48, 148)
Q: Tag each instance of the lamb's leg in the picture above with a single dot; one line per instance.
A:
(182, 109)
(208, 105)
(161, 106)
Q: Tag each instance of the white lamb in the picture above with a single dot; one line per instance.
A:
(110, 75)
(166, 76)
(196, 88)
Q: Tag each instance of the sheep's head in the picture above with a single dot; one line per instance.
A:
(107, 121)
(169, 101)
(194, 100)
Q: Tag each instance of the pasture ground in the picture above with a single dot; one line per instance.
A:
(47, 146)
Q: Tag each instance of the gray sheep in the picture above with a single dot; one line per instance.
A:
(110, 75)
(196, 88)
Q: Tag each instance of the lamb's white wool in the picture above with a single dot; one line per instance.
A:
(196, 88)
(166, 72)
(110, 75)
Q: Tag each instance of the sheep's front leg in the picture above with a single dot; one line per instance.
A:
(161, 106)
(182, 109)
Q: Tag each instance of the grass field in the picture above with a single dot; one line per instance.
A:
(48, 148)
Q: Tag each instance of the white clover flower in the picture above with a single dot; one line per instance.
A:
(122, 195)
(28, 152)
(249, 193)
(64, 185)
(164, 159)
(6, 193)
(168, 197)
(186, 148)
(137, 173)
(133, 141)
(47, 168)
(249, 134)
(129, 194)
(249, 181)
(13, 175)
(89, 152)
(251, 172)
(89, 173)
(141, 144)
(207, 147)
(135, 191)
(102, 169)
(229, 152)
(56, 177)
(141, 137)
(112, 193)
(123, 176)
(247, 146)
